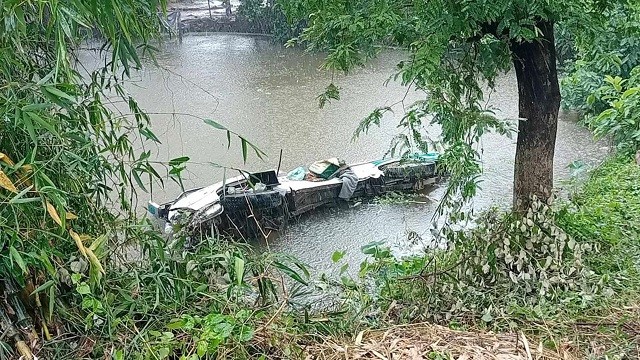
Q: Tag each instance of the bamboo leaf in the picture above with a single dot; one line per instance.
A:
(6, 183)
(43, 287)
(136, 177)
(5, 159)
(59, 93)
(18, 198)
(70, 216)
(244, 149)
(79, 243)
(26, 120)
(239, 268)
(43, 123)
(290, 272)
(52, 299)
(53, 213)
(15, 256)
(215, 124)
(93, 259)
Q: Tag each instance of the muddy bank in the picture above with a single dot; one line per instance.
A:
(211, 16)
(216, 24)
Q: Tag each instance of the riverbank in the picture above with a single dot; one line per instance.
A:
(598, 317)
(227, 301)
(198, 16)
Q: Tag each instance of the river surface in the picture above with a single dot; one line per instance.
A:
(268, 94)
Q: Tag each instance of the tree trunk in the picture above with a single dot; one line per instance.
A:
(539, 102)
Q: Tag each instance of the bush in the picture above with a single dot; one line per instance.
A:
(612, 48)
(620, 119)
(268, 18)
(503, 261)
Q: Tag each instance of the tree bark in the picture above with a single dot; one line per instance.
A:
(539, 102)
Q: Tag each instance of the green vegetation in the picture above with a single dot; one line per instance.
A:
(455, 50)
(66, 159)
(268, 18)
(620, 117)
(82, 277)
(566, 272)
(611, 47)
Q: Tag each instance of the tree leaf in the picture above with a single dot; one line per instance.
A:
(337, 256)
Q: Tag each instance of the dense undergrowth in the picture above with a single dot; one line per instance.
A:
(566, 273)
(82, 281)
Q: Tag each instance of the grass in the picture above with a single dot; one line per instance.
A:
(596, 317)
(225, 301)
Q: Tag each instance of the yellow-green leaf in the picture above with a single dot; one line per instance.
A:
(79, 243)
(93, 259)
(53, 213)
(6, 183)
(5, 159)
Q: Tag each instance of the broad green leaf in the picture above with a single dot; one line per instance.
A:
(83, 289)
(15, 256)
(290, 272)
(337, 256)
(239, 270)
(43, 287)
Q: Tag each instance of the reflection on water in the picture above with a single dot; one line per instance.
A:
(268, 94)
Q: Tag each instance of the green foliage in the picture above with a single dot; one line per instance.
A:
(607, 210)
(608, 47)
(454, 50)
(544, 271)
(67, 161)
(182, 304)
(621, 118)
(502, 261)
(268, 18)
(70, 170)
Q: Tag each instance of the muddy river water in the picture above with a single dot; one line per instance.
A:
(268, 94)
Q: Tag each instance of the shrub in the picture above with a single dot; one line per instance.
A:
(503, 261)
(621, 118)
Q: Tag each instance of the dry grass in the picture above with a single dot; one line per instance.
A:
(425, 341)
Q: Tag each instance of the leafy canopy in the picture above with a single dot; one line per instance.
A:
(68, 164)
(455, 49)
